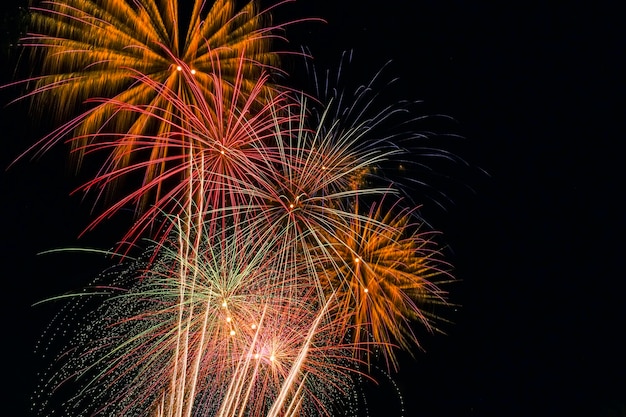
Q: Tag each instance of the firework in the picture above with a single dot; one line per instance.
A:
(204, 327)
(280, 258)
(103, 51)
(386, 274)
(214, 152)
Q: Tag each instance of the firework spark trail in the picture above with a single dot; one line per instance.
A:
(296, 368)
(84, 44)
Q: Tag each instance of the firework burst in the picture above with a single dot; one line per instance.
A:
(96, 55)
(95, 49)
(214, 152)
(386, 274)
(203, 329)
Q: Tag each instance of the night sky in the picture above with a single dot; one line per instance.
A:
(534, 222)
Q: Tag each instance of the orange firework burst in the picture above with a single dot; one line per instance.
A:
(95, 49)
(385, 272)
(103, 50)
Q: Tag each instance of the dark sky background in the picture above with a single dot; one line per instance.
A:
(537, 93)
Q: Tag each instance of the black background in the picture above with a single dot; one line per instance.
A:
(536, 90)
